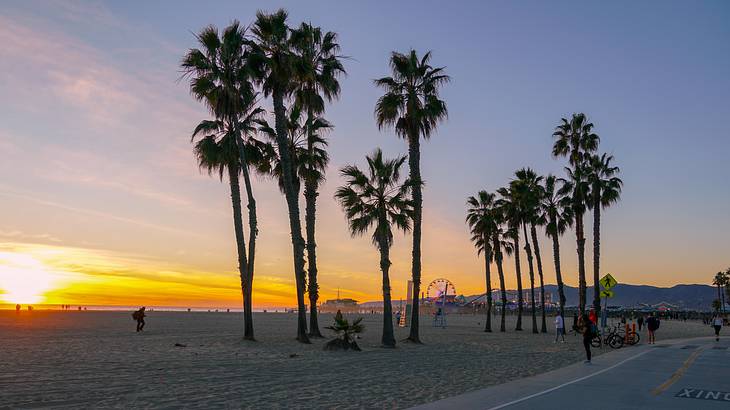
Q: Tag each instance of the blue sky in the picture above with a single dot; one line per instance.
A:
(95, 128)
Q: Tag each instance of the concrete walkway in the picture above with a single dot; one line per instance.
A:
(677, 374)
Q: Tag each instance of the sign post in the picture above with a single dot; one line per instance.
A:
(607, 282)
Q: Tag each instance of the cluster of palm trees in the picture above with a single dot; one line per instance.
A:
(722, 281)
(231, 72)
(497, 220)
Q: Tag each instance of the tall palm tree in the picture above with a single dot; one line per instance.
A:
(605, 190)
(500, 245)
(376, 198)
(412, 105)
(320, 66)
(522, 189)
(510, 210)
(578, 188)
(534, 194)
(556, 213)
(220, 77)
(576, 140)
(480, 218)
(275, 65)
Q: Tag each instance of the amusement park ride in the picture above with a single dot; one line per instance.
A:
(441, 292)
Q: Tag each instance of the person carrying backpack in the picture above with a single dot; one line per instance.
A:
(139, 316)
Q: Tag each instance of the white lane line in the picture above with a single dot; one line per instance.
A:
(570, 382)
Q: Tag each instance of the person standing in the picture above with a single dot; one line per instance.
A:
(559, 327)
(640, 321)
(652, 324)
(139, 317)
(587, 328)
(717, 323)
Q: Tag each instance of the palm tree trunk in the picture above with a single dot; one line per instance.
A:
(581, 242)
(558, 273)
(248, 333)
(518, 272)
(388, 339)
(543, 326)
(500, 272)
(488, 273)
(310, 196)
(532, 277)
(238, 228)
(596, 256)
(414, 159)
(292, 201)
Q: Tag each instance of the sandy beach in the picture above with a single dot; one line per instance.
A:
(95, 359)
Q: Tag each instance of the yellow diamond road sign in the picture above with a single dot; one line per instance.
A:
(606, 293)
(608, 281)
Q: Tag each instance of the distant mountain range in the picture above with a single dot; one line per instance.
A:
(692, 297)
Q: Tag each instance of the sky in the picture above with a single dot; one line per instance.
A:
(102, 202)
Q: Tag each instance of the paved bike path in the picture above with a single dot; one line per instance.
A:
(679, 374)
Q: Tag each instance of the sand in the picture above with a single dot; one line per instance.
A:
(96, 360)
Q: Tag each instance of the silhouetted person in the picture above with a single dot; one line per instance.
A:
(717, 323)
(139, 317)
(652, 324)
(587, 327)
(640, 322)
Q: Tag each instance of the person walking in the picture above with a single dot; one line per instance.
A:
(139, 317)
(717, 323)
(587, 328)
(640, 321)
(559, 327)
(652, 324)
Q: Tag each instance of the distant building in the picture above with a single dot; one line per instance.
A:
(340, 302)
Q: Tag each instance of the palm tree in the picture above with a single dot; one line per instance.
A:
(411, 105)
(220, 77)
(576, 140)
(605, 190)
(527, 187)
(557, 214)
(480, 217)
(320, 66)
(501, 245)
(307, 148)
(275, 65)
(378, 199)
(511, 213)
(721, 280)
(577, 188)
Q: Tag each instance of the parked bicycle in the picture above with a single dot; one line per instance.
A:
(612, 338)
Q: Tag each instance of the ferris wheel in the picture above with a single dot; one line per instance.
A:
(441, 289)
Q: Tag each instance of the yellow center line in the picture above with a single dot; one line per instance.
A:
(678, 374)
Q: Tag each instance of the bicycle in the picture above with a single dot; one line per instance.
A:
(612, 338)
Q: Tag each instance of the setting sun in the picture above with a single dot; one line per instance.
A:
(24, 279)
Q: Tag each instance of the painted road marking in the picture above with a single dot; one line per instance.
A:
(678, 374)
(552, 389)
(704, 394)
